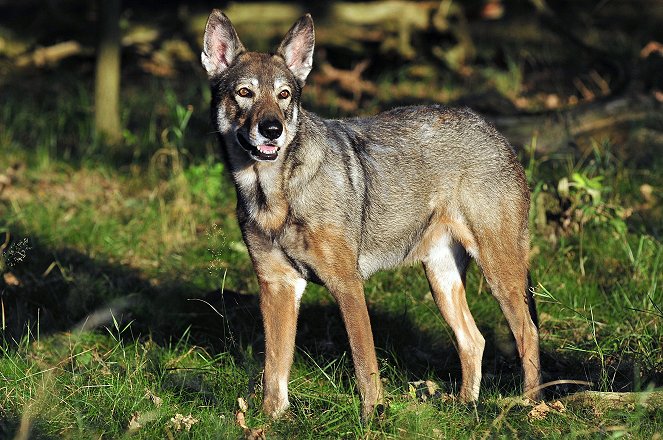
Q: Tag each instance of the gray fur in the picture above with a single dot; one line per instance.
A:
(342, 199)
(380, 178)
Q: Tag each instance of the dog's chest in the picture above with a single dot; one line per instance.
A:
(262, 197)
(321, 252)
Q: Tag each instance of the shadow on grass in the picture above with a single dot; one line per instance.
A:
(61, 290)
(10, 427)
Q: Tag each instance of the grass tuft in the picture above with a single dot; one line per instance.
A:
(129, 308)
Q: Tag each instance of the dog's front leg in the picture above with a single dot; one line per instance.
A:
(350, 297)
(334, 260)
(281, 288)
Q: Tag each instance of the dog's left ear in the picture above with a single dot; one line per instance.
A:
(297, 48)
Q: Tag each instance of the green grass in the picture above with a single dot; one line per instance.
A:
(129, 296)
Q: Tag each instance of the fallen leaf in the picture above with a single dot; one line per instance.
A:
(134, 425)
(180, 422)
(10, 279)
(149, 395)
(241, 421)
(558, 406)
(254, 434)
(4, 182)
(519, 401)
(432, 387)
(243, 406)
(249, 433)
(552, 101)
(650, 48)
(647, 192)
(424, 390)
(539, 412)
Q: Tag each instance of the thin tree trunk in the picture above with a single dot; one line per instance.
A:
(107, 81)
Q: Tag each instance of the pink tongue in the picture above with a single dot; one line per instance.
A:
(269, 149)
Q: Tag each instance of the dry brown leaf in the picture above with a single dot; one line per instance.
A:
(5, 181)
(647, 192)
(552, 101)
(650, 48)
(243, 406)
(424, 390)
(539, 412)
(240, 420)
(254, 434)
(180, 422)
(149, 395)
(10, 279)
(558, 406)
(43, 56)
(431, 387)
(585, 91)
(134, 425)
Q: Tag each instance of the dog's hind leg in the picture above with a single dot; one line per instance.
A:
(445, 267)
(504, 261)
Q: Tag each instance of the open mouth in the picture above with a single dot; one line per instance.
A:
(260, 152)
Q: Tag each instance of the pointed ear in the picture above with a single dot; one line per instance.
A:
(297, 47)
(221, 44)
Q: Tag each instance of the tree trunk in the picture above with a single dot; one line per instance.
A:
(107, 80)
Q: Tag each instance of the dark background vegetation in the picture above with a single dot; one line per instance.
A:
(502, 58)
(131, 236)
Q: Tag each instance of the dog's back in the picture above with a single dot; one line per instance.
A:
(390, 176)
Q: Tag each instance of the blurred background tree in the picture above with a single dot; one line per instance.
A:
(564, 70)
(107, 73)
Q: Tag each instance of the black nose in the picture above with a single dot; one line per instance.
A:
(270, 128)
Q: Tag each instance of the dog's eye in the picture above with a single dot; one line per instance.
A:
(285, 94)
(245, 93)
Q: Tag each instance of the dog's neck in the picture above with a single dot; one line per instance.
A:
(269, 188)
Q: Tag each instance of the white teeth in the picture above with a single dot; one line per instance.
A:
(267, 149)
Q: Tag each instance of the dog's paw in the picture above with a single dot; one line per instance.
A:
(275, 407)
(374, 414)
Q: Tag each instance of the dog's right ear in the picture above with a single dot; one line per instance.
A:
(221, 44)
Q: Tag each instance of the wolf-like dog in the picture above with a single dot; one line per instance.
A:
(333, 201)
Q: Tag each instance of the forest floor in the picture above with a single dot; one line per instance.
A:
(129, 304)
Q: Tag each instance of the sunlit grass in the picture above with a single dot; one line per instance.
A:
(147, 258)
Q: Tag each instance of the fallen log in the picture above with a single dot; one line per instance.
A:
(613, 400)
(344, 24)
(566, 129)
(52, 54)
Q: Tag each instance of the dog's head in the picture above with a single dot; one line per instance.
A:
(255, 96)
